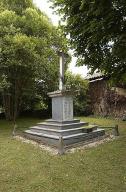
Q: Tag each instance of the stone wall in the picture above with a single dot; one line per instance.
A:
(106, 101)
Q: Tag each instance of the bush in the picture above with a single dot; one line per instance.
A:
(79, 85)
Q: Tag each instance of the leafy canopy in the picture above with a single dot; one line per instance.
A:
(28, 53)
(79, 85)
(97, 33)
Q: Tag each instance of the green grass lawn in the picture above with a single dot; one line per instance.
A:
(27, 168)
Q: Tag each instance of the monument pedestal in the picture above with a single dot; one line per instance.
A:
(62, 106)
(63, 125)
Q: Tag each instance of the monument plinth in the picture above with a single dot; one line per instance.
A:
(62, 105)
(63, 127)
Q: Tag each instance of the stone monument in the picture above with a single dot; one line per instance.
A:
(62, 100)
(63, 127)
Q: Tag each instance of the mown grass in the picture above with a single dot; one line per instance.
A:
(26, 168)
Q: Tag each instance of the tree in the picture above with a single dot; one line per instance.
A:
(16, 5)
(97, 33)
(28, 46)
(77, 84)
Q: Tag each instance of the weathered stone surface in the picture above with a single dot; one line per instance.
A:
(67, 140)
(62, 122)
(62, 108)
(58, 132)
(61, 126)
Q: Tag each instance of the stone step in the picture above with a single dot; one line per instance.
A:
(52, 139)
(61, 126)
(73, 142)
(81, 134)
(62, 122)
(67, 140)
(57, 132)
(42, 138)
(64, 132)
(54, 136)
(83, 137)
(89, 128)
(42, 134)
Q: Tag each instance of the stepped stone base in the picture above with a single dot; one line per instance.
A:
(71, 132)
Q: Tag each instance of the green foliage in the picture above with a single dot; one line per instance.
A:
(28, 53)
(79, 87)
(97, 33)
(17, 6)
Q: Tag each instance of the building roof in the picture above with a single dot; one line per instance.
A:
(96, 76)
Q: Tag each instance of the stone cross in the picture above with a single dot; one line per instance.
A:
(61, 75)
